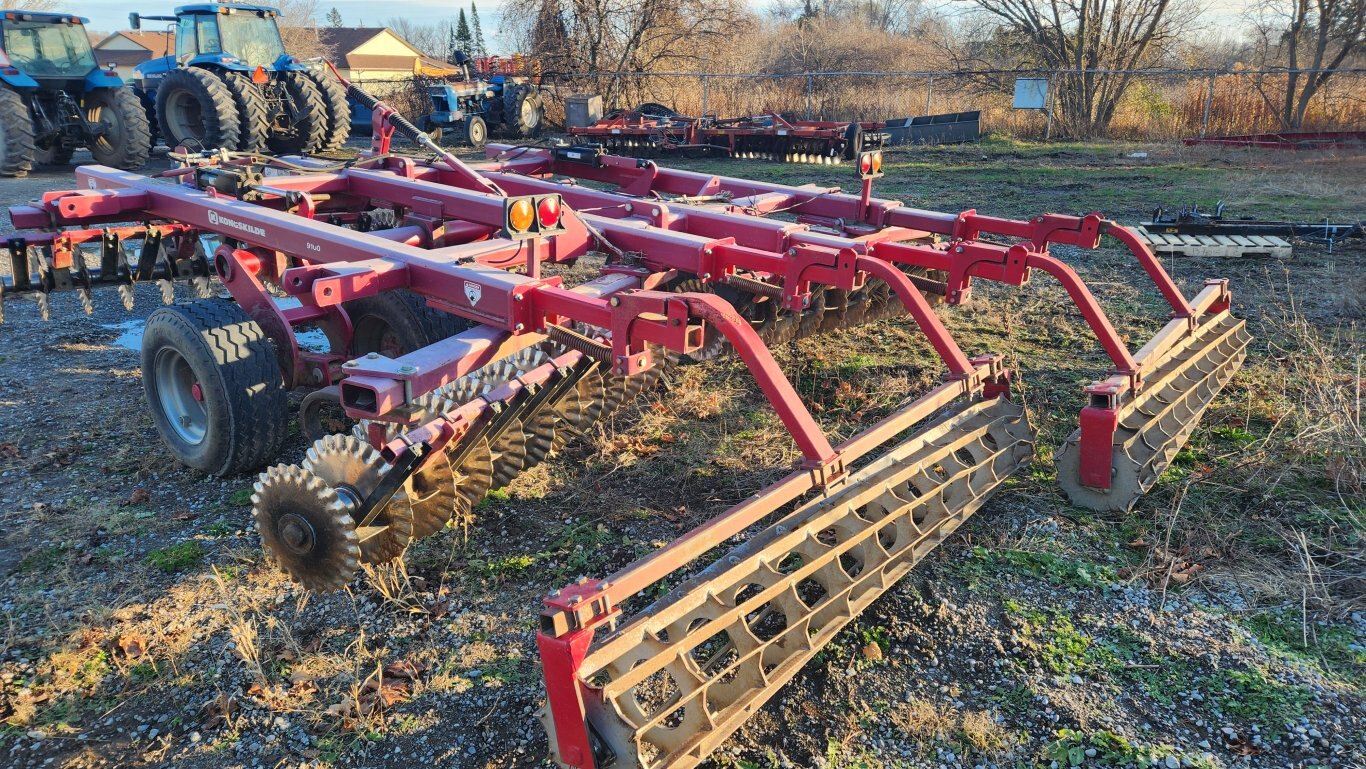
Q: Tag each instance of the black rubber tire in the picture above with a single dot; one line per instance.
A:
(253, 116)
(234, 363)
(16, 134)
(338, 110)
(213, 122)
(523, 112)
(149, 109)
(476, 132)
(853, 141)
(310, 122)
(129, 140)
(404, 318)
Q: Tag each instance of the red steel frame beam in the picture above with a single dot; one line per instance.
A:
(339, 264)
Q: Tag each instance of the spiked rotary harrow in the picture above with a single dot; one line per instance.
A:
(464, 361)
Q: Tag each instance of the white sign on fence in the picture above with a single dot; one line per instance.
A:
(1031, 93)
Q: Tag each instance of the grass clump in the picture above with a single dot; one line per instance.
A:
(178, 557)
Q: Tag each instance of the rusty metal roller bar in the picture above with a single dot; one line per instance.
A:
(670, 687)
(1155, 424)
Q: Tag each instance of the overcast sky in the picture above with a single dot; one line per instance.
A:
(110, 15)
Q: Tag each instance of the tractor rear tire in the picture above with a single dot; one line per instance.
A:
(16, 134)
(213, 383)
(338, 110)
(195, 110)
(523, 111)
(476, 132)
(310, 125)
(252, 114)
(395, 323)
(127, 139)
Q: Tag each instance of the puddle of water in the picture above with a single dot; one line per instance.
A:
(130, 332)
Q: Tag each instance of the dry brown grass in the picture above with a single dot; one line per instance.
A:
(977, 731)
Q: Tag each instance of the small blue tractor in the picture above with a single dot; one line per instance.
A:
(55, 99)
(469, 106)
(231, 85)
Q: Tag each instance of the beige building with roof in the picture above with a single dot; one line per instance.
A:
(370, 54)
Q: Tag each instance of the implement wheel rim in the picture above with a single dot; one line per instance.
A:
(185, 116)
(180, 396)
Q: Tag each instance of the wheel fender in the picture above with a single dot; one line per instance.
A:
(102, 78)
(155, 68)
(16, 79)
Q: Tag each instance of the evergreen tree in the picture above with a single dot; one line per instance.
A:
(463, 39)
(480, 48)
(334, 18)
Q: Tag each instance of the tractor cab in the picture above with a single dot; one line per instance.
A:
(244, 35)
(50, 51)
(234, 37)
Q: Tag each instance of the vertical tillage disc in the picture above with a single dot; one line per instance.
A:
(355, 468)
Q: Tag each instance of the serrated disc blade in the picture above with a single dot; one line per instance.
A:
(87, 298)
(431, 495)
(306, 528)
(127, 294)
(44, 307)
(203, 286)
(540, 435)
(473, 479)
(508, 452)
(344, 461)
(167, 291)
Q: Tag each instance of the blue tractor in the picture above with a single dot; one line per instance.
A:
(231, 85)
(55, 99)
(469, 106)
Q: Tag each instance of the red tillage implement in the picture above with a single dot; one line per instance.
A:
(467, 364)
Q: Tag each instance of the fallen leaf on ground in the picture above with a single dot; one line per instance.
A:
(133, 646)
(218, 711)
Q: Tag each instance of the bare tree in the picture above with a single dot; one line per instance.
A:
(1091, 39)
(30, 5)
(299, 28)
(432, 39)
(600, 41)
(901, 17)
(1311, 39)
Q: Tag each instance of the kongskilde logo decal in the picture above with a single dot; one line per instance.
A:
(472, 292)
(216, 218)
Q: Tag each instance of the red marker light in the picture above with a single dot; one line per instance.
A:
(865, 164)
(548, 212)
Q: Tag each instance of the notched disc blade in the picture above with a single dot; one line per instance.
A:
(473, 479)
(344, 461)
(508, 450)
(306, 528)
(431, 494)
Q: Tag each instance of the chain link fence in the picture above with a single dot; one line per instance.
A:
(1157, 104)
